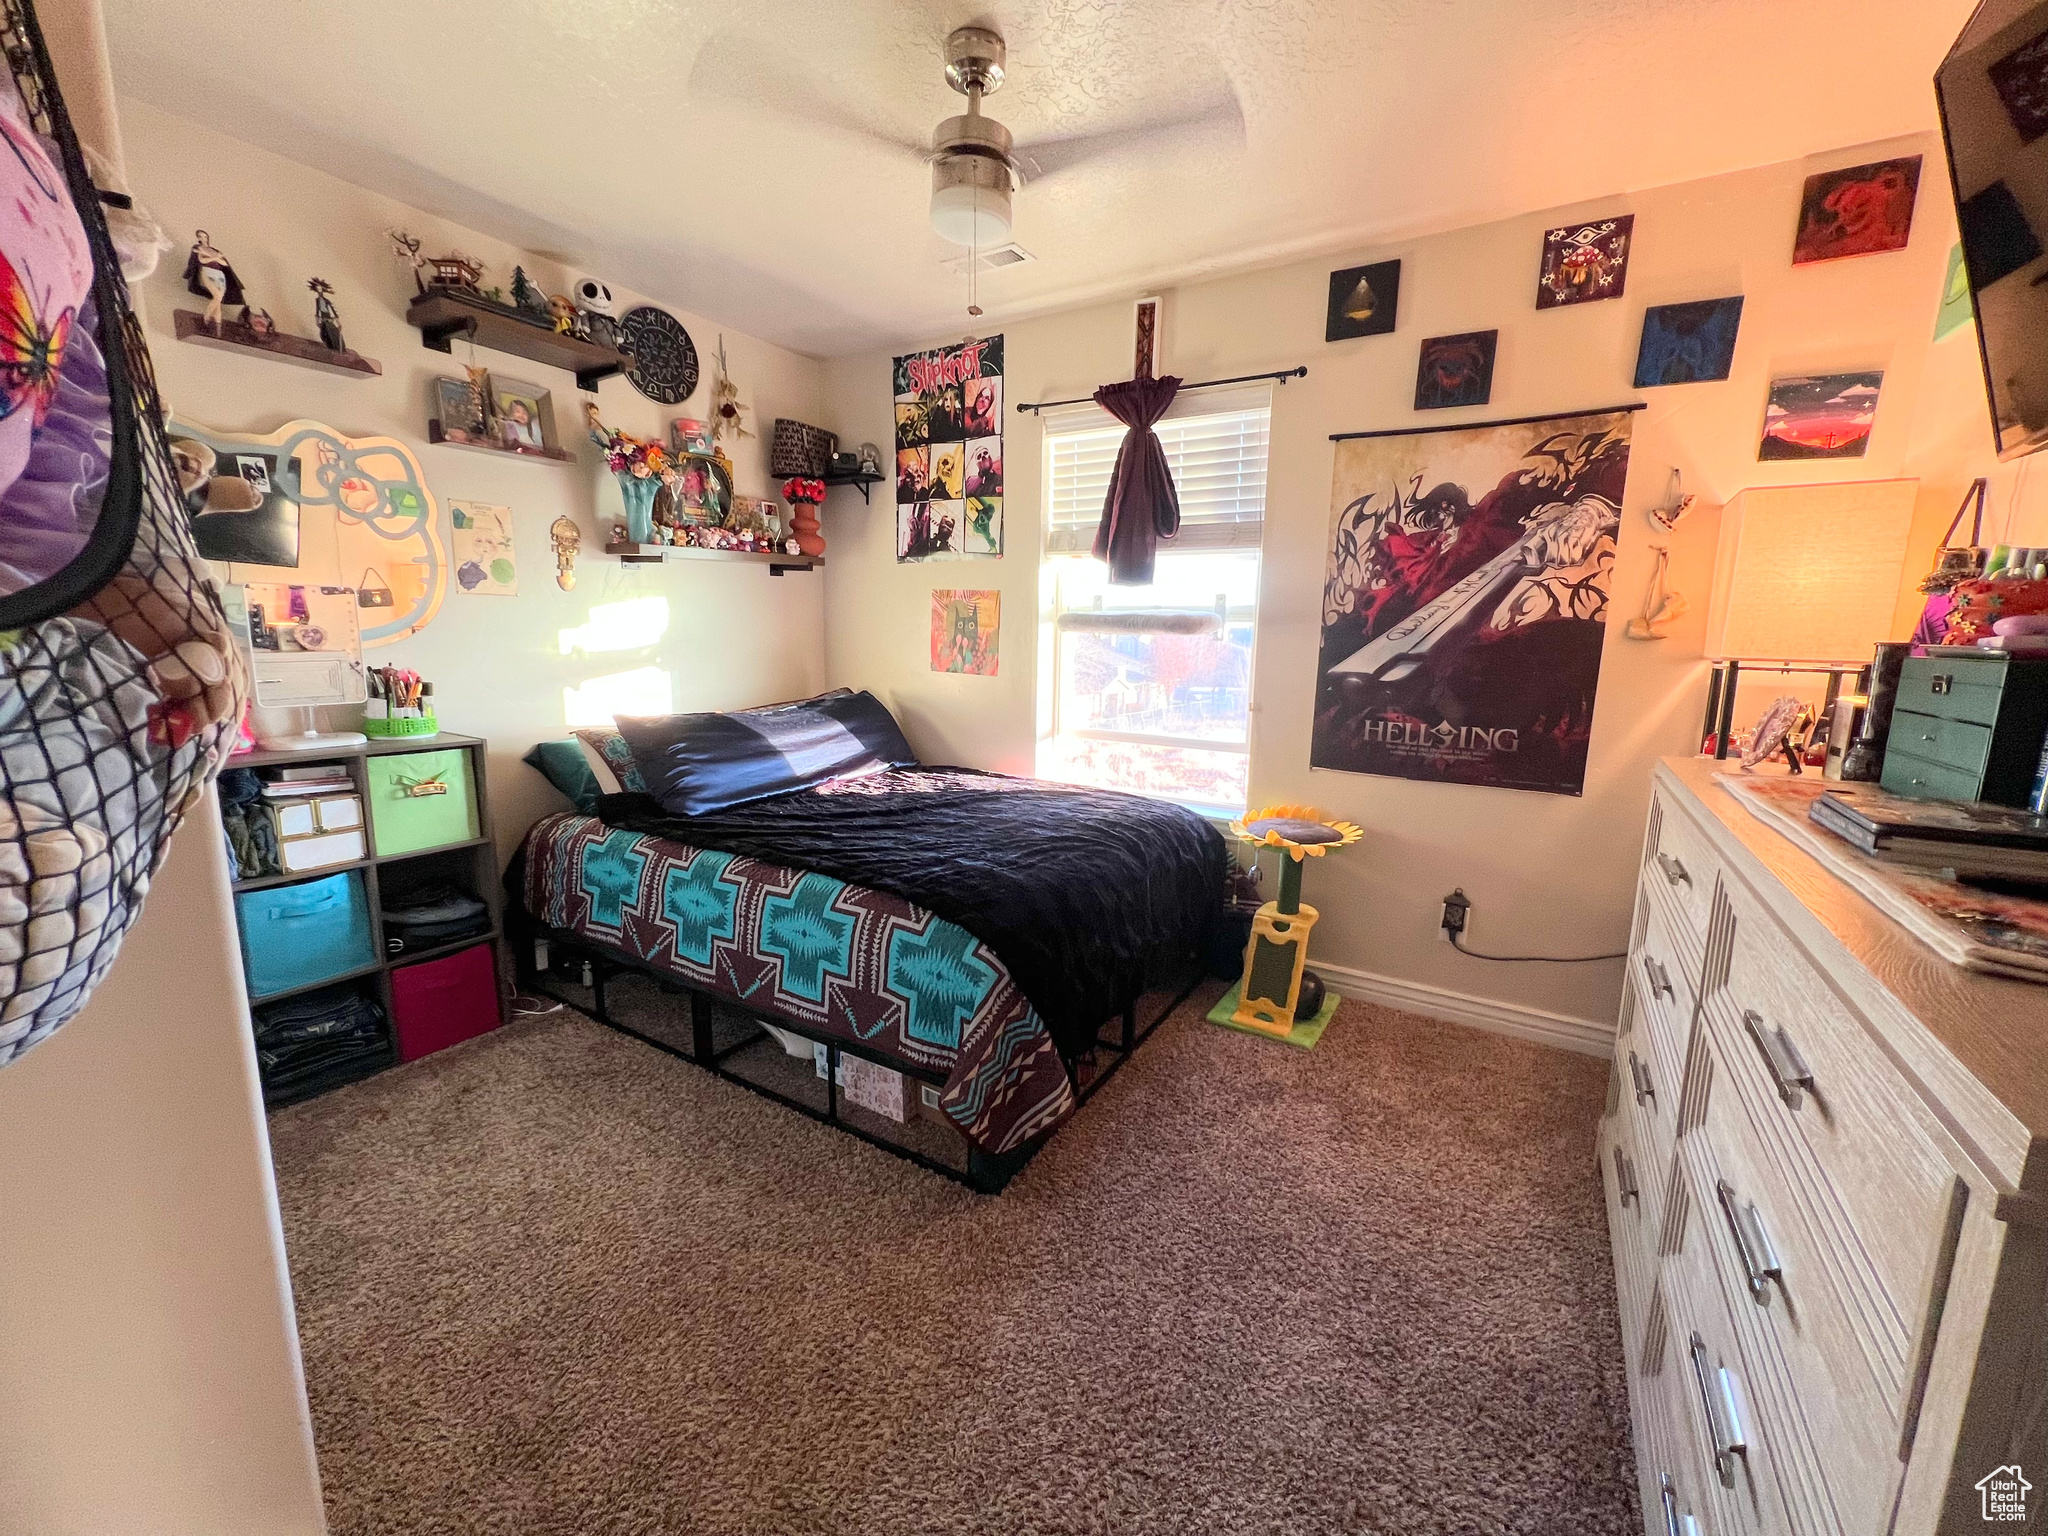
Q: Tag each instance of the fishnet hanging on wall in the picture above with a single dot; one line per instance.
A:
(115, 712)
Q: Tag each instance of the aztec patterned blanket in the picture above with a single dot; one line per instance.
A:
(842, 960)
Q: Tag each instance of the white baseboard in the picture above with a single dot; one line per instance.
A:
(1586, 1036)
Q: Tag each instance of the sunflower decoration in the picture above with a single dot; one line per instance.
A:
(1278, 994)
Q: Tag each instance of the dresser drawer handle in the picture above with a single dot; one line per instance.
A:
(1625, 1181)
(1746, 1224)
(1781, 1056)
(1721, 1398)
(1669, 1496)
(1674, 872)
(1645, 1089)
(1660, 979)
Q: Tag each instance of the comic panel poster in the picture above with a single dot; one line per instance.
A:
(949, 451)
(1465, 601)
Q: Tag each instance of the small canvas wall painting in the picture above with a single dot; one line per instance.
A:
(1824, 417)
(1688, 343)
(1583, 263)
(482, 547)
(1364, 301)
(1857, 212)
(967, 632)
(949, 451)
(1956, 308)
(1455, 371)
(2021, 80)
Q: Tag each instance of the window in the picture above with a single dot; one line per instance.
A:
(1150, 687)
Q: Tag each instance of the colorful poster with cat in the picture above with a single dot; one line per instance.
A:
(949, 451)
(967, 632)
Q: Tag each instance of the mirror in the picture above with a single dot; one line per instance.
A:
(1993, 92)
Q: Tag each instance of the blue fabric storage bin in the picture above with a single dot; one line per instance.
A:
(299, 935)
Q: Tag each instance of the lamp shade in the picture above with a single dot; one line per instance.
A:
(1809, 572)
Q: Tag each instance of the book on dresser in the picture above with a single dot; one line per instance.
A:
(1825, 1157)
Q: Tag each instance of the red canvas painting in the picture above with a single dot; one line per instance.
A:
(1857, 212)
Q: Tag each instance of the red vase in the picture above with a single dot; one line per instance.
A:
(803, 520)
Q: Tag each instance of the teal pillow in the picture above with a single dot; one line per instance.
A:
(563, 765)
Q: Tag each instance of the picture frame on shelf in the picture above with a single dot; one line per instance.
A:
(703, 492)
(525, 417)
(688, 435)
(455, 408)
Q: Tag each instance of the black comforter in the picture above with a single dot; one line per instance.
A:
(1076, 889)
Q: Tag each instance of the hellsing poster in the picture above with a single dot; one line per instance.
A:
(949, 451)
(1465, 601)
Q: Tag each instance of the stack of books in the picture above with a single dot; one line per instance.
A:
(1969, 838)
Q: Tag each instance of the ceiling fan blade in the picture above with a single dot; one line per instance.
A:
(1220, 121)
(732, 71)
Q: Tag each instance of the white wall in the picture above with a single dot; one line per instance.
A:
(1548, 874)
(735, 635)
(149, 1360)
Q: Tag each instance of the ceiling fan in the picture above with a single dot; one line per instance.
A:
(976, 166)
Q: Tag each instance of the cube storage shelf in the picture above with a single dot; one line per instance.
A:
(440, 836)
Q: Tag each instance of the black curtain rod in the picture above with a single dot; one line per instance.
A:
(1517, 421)
(1034, 406)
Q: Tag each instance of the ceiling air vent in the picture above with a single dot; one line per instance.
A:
(993, 259)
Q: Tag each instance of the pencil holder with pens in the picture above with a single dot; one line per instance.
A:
(407, 701)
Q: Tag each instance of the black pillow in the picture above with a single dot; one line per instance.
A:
(697, 764)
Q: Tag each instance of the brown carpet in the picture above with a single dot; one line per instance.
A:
(553, 1281)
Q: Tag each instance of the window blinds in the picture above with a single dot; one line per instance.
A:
(1218, 459)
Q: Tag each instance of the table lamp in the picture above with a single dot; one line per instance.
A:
(1806, 580)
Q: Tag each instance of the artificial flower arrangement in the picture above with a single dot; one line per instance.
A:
(803, 488)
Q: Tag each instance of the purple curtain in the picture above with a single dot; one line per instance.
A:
(1142, 506)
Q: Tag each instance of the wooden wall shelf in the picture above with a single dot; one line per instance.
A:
(859, 478)
(654, 554)
(444, 314)
(537, 455)
(299, 351)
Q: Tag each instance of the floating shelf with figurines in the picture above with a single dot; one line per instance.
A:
(679, 501)
(210, 275)
(577, 335)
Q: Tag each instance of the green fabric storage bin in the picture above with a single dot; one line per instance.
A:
(402, 819)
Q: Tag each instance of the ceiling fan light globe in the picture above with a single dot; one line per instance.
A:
(971, 200)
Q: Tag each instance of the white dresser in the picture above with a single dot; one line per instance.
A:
(1826, 1159)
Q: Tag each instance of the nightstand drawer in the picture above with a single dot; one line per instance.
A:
(1960, 744)
(1917, 778)
(1953, 688)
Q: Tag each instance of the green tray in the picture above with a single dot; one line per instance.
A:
(405, 725)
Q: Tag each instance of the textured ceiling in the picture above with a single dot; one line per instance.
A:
(757, 162)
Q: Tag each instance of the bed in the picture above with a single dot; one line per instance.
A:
(976, 932)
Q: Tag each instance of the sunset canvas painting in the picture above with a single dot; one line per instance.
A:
(1823, 417)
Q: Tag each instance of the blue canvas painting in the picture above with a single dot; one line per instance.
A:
(1688, 343)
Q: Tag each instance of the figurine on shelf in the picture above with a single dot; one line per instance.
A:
(209, 274)
(563, 313)
(459, 272)
(527, 297)
(326, 316)
(870, 459)
(406, 249)
(595, 310)
(482, 399)
(261, 326)
(567, 539)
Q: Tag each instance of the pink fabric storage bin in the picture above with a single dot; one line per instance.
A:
(443, 1002)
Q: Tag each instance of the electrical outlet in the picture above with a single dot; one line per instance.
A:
(1457, 909)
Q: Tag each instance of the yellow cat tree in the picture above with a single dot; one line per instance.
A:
(1270, 997)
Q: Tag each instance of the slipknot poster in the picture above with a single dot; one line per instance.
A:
(949, 451)
(1465, 601)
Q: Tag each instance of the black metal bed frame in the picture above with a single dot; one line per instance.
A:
(985, 1173)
